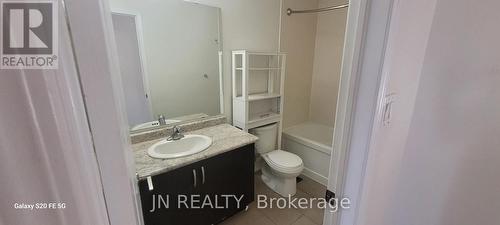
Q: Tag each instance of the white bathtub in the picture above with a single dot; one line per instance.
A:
(313, 143)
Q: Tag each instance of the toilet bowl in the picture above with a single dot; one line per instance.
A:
(281, 168)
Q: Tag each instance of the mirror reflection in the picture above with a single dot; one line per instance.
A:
(170, 56)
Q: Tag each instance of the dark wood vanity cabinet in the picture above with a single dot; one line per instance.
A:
(221, 179)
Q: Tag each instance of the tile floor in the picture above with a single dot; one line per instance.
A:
(307, 188)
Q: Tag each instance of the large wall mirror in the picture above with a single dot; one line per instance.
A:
(170, 55)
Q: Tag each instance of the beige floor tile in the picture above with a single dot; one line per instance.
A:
(274, 216)
(299, 195)
(250, 217)
(262, 189)
(312, 211)
(311, 187)
(304, 221)
(315, 214)
(279, 216)
(284, 216)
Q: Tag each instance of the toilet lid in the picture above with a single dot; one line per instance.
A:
(284, 159)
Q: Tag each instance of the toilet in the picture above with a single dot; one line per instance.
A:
(281, 168)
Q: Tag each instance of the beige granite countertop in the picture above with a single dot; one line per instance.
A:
(224, 138)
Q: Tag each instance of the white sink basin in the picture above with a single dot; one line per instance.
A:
(188, 145)
(152, 124)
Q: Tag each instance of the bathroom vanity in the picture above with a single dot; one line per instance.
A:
(203, 188)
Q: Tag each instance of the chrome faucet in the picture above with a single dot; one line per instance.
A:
(161, 119)
(176, 134)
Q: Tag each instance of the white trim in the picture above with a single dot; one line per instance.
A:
(315, 176)
(144, 64)
(221, 62)
(221, 83)
(126, 12)
(345, 103)
(366, 34)
(142, 54)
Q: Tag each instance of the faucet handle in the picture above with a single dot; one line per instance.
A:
(161, 119)
(177, 129)
(176, 134)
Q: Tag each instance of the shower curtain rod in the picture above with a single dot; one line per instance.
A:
(291, 11)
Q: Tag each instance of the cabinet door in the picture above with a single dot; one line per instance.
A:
(218, 178)
(171, 187)
(229, 176)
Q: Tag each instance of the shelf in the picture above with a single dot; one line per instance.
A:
(260, 68)
(258, 84)
(261, 117)
(256, 97)
(267, 53)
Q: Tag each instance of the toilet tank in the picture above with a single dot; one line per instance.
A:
(267, 138)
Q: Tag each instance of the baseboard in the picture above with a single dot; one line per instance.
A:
(315, 176)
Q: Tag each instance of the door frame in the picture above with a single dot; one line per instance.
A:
(358, 103)
(142, 53)
(96, 59)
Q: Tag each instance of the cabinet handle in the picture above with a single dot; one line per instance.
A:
(203, 175)
(150, 183)
(194, 178)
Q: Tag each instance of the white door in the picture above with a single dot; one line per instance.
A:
(131, 68)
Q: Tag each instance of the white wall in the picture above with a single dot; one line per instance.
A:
(330, 32)
(181, 44)
(254, 25)
(439, 163)
(403, 66)
(298, 34)
(246, 24)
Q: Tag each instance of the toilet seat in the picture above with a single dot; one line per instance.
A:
(284, 161)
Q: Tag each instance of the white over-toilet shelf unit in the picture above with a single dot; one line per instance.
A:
(258, 85)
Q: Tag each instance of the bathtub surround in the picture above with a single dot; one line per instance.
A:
(314, 45)
(297, 40)
(224, 138)
(330, 32)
